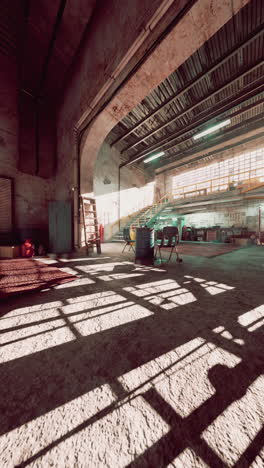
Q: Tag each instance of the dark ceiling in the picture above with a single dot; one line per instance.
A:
(44, 37)
(57, 24)
(223, 79)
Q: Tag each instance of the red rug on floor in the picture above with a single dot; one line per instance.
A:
(25, 274)
(205, 250)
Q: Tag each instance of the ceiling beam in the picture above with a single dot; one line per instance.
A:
(220, 110)
(161, 142)
(224, 110)
(235, 114)
(201, 76)
(186, 160)
(234, 132)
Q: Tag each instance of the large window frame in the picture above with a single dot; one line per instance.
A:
(218, 177)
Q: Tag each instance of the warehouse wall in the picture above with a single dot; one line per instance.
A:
(243, 215)
(164, 180)
(106, 170)
(106, 186)
(113, 31)
(31, 193)
(92, 71)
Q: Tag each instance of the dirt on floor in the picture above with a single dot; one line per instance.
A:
(136, 366)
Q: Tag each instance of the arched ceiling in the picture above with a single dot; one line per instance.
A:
(221, 80)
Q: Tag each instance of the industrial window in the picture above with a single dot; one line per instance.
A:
(219, 176)
(5, 205)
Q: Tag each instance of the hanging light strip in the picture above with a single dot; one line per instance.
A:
(212, 129)
(154, 156)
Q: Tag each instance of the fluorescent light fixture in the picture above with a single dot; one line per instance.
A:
(154, 156)
(212, 129)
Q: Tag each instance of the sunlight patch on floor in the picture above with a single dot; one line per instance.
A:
(28, 339)
(197, 280)
(227, 335)
(91, 301)
(69, 271)
(104, 267)
(165, 293)
(81, 259)
(116, 439)
(146, 289)
(188, 385)
(31, 308)
(161, 367)
(146, 268)
(231, 433)
(188, 459)
(106, 319)
(119, 276)
(47, 261)
(75, 283)
(253, 319)
(212, 287)
(258, 462)
(90, 297)
(38, 433)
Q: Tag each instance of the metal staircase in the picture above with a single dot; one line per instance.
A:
(135, 220)
(145, 217)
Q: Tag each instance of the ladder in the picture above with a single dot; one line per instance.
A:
(90, 224)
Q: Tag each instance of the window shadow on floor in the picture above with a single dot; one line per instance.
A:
(35, 384)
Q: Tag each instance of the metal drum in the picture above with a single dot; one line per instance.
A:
(144, 246)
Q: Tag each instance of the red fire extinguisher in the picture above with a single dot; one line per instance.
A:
(101, 233)
(27, 248)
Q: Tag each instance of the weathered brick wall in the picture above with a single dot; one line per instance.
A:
(31, 193)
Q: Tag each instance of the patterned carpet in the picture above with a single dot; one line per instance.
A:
(23, 275)
(205, 250)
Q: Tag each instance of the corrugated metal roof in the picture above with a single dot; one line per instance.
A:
(226, 67)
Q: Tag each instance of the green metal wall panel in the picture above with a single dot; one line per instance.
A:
(60, 227)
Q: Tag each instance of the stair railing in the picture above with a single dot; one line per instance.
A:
(156, 207)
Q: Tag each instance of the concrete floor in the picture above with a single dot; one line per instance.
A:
(132, 366)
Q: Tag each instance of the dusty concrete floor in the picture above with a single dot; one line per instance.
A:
(137, 367)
